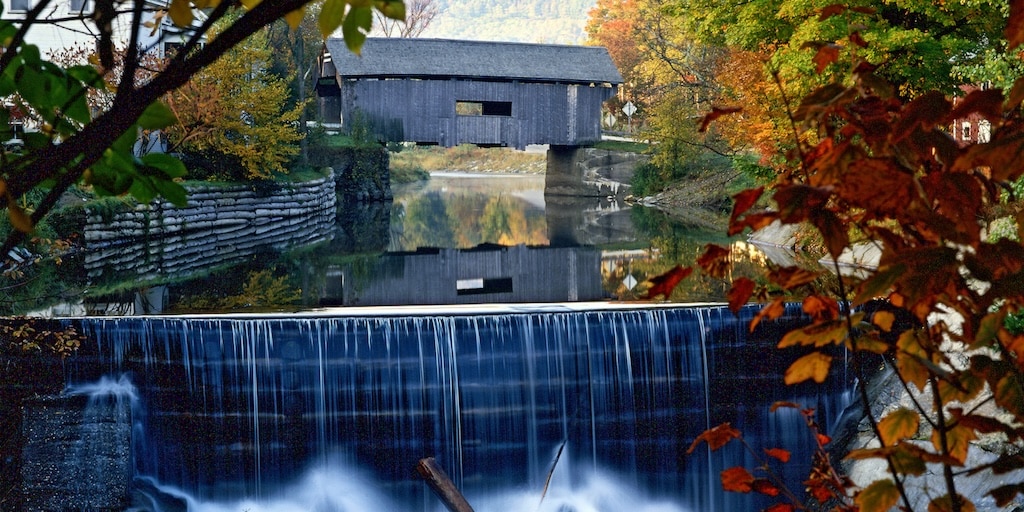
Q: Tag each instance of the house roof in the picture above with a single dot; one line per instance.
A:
(412, 57)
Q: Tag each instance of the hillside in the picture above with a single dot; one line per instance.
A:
(527, 21)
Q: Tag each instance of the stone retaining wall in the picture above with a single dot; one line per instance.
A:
(219, 225)
(223, 209)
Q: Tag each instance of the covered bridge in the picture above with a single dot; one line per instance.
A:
(446, 92)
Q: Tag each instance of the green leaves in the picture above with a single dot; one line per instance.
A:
(394, 9)
(357, 24)
(355, 18)
(156, 116)
(120, 172)
(331, 16)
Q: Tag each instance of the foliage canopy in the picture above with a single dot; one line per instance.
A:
(237, 108)
(96, 148)
(869, 160)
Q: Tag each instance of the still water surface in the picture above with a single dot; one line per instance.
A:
(458, 238)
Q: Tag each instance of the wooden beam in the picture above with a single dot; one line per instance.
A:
(442, 486)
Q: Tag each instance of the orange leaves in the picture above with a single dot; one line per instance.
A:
(817, 335)
(715, 261)
(898, 425)
(737, 479)
(923, 113)
(883, 319)
(831, 10)
(879, 186)
(740, 293)
(996, 262)
(664, 284)
(1013, 344)
(715, 113)
(987, 102)
(826, 54)
(958, 441)
(798, 202)
(763, 486)
(771, 311)
(778, 454)
(957, 197)
(744, 201)
(181, 13)
(920, 275)
(945, 504)
(821, 308)
(908, 458)
(791, 277)
(1014, 31)
(911, 359)
(999, 156)
(813, 366)
(880, 495)
(1004, 494)
(18, 217)
(1009, 393)
(716, 437)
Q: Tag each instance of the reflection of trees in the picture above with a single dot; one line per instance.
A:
(243, 287)
(674, 242)
(426, 222)
(37, 286)
(464, 210)
(436, 219)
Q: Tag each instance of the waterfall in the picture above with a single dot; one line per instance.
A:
(255, 408)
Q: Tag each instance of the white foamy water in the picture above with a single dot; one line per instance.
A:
(337, 488)
(120, 387)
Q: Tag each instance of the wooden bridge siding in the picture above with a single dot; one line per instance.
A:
(426, 108)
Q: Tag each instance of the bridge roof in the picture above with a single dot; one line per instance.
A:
(420, 58)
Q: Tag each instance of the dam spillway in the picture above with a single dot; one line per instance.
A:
(247, 407)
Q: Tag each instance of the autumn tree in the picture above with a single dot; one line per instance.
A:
(418, 16)
(757, 128)
(870, 166)
(917, 46)
(612, 24)
(231, 117)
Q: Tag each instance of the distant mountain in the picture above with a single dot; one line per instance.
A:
(526, 21)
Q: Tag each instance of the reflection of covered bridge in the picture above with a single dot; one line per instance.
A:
(433, 91)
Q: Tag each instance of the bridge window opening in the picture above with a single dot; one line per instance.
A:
(483, 108)
(481, 286)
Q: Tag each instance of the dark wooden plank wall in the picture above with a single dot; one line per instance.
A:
(424, 111)
(538, 274)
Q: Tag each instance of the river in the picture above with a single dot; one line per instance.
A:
(457, 238)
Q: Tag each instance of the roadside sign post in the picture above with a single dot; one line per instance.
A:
(629, 109)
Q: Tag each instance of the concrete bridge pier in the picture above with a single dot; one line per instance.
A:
(583, 171)
(565, 173)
